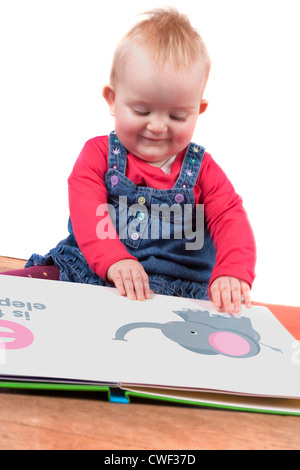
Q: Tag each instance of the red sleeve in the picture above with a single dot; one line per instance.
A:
(228, 223)
(87, 192)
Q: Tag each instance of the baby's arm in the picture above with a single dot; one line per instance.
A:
(226, 293)
(87, 194)
(234, 270)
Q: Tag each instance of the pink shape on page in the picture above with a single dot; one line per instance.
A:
(22, 336)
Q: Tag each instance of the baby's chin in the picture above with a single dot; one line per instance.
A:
(154, 152)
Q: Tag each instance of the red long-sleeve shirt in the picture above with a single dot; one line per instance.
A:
(224, 212)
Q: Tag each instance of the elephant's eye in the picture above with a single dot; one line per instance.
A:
(193, 332)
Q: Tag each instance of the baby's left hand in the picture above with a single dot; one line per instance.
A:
(226, 292)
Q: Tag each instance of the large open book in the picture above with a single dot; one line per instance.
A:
(60, 334)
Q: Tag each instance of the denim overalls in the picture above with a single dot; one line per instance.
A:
(157, 226)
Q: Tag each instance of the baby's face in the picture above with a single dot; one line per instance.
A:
(155, 110)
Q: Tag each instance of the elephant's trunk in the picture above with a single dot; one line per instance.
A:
(123, 330)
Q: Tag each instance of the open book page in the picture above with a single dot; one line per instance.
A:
(58, 330)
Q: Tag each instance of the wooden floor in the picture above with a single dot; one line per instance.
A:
(8, 264)
(52, 420)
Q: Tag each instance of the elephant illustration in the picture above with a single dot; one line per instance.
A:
(204, 333)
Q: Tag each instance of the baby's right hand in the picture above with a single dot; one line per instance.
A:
(130, 279)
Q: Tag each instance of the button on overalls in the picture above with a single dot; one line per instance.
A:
(155, 225)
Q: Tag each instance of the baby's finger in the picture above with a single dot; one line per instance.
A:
(226, 300)
(128, 285)
(246, 293)
(215, 295)
(141, 284)
(117, 280)
(236, 294)
(147, 287)
(225, 290)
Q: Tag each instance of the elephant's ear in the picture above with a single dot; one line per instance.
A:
(192, 315)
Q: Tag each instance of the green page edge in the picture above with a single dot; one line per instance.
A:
(128, 394)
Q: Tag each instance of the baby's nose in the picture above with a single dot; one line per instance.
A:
(157, 125)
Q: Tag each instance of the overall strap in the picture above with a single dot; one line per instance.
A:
(117, 159)
(117, 154)
(190, 166)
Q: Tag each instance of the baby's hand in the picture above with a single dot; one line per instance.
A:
(226, 292)
(130, 279)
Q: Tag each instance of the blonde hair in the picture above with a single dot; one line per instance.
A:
(168, 37)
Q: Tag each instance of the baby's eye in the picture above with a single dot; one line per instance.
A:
(141, 113)
(177, 118)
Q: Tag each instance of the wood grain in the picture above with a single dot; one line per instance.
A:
(8, 264)
(69, 420)
(51, 421)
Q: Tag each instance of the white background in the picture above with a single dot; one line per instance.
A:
(55, 58)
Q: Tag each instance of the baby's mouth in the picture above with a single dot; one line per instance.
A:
(154, 139)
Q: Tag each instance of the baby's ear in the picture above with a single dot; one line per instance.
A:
(203, 106)
(109, 95)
